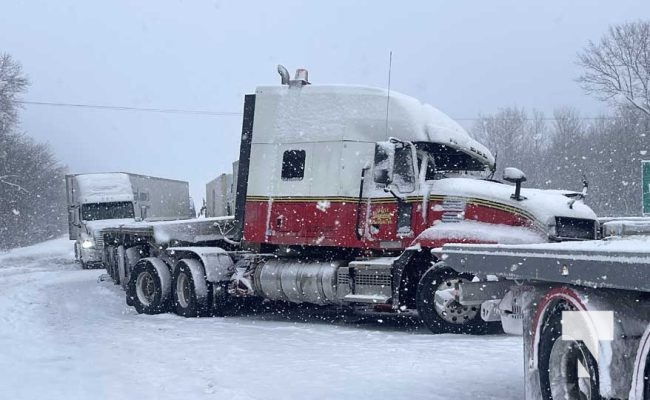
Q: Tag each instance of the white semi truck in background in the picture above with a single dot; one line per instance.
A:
(340, 203)
(103, 199)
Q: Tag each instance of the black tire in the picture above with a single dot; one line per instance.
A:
(110, 261)
(121, 266)
(145, 291)
(559, 357)
(114, 269)
(646, 379)
(455, 318)
(184, 295)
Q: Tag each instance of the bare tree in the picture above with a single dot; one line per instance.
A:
(12, 84)
(618, 66)
(32, 195)
(515, 137)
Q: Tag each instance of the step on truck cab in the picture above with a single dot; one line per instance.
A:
(99, 200)
(343, 194)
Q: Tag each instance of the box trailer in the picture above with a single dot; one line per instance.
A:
(98, 200)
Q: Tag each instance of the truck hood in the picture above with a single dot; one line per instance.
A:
(542, 205)
(94, 228)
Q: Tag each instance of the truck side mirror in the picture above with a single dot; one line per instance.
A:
(384, 162)
(515, 176)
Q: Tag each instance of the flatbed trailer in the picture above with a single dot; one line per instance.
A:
(583, 309)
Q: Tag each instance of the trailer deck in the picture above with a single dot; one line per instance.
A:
(198, 230)
(614, 262)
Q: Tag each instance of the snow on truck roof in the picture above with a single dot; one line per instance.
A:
(104, 187)
(354, 113)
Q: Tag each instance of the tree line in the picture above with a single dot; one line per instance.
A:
(32, 184)
(558, 152)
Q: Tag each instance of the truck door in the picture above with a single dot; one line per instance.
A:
(395, 172)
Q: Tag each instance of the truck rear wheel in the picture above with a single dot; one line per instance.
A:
(148, 290)
(190, 289)
(560, 360)
(438, 309)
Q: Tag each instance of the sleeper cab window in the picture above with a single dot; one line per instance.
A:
(293, 165)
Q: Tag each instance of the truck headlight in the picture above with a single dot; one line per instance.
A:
(552, 231)
(86, 244)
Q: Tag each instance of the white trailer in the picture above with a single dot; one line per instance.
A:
(99, 200)
(583, 309)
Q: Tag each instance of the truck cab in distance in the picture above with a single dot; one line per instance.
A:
(100, 200)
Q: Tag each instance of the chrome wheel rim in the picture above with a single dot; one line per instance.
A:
(183, 290)
(448, 308)
(145, 288)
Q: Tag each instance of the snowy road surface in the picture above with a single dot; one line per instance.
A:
(64, 335)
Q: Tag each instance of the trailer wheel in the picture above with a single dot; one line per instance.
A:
(438, 309)
(121, 266)
(559, 360)
(190, 289)
(149, 289)
(77, 257)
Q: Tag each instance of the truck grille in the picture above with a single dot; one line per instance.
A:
(99, 240)
(364, 278)
(575, 228)
(372, 278)
(343, 277)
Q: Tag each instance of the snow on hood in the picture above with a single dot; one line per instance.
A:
(544, 205)
(93, 228)
(481, 231)
(104, 188)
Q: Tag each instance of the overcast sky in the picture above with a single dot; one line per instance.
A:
(464, 57)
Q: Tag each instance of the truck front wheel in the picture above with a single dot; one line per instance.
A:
(148, 290)
(567, 370)
(437, 306)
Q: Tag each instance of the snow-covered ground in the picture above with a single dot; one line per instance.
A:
(64, 334)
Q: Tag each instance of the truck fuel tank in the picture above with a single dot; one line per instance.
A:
(298, 281)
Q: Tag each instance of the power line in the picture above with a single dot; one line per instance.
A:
(236, 114)
(126, 108)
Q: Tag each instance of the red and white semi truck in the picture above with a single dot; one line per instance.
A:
(342, 194)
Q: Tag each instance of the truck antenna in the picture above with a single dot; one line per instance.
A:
(390, 65)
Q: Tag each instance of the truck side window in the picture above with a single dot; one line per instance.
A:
(404, 176)
(293, 165)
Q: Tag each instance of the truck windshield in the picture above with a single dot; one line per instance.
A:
(441, 159)
(96, 211)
